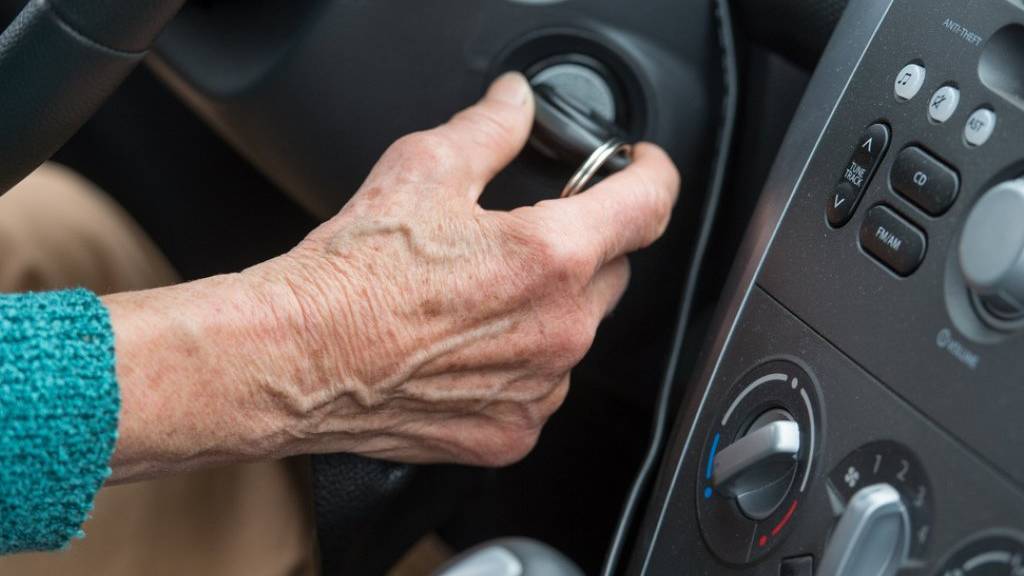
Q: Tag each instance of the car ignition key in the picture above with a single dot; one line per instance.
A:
(566, 130)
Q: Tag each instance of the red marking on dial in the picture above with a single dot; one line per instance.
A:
(762, 540)
(785, 519)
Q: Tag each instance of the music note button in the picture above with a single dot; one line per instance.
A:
(909, 82)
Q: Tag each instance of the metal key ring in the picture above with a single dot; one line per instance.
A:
(597, 159)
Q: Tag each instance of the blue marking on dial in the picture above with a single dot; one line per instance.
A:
(711, 458)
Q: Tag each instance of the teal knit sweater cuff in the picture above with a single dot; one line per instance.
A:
(59, 404)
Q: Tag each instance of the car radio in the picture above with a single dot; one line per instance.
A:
(858, 408)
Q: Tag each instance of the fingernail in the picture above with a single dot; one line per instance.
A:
(511, 88)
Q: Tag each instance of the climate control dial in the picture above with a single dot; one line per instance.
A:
(872, 537)
(758, 468)
(883, 500)
(757, 461)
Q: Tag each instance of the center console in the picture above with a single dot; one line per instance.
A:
(860, 408)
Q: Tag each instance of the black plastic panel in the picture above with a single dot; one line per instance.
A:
(900, 329)
(912, 383)
(967, 495)
(313, 92)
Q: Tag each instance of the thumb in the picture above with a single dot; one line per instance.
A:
(492, 132)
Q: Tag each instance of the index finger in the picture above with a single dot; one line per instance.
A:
(625, 212)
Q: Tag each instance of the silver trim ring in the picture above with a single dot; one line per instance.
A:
(597, 159)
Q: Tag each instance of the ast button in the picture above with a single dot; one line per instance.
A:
(893, 240)
(925, 181)
(857, 173)
(979, 127)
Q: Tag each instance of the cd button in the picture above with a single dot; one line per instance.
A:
(925, 181)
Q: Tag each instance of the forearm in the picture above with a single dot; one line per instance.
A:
(198, 365)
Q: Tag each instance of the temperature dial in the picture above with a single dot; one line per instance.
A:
(758, 469)
(997, 554)
(757, 461)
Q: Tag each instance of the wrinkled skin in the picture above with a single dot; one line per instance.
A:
(447, 332)
(417, 326)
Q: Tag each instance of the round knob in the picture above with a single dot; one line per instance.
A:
(992, 251)
(872, 537)
(758, 469)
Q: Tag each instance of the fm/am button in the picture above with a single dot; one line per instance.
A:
(893, 240)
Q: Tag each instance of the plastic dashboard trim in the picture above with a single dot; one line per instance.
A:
(854, 34)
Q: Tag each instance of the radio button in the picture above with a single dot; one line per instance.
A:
(893, 240)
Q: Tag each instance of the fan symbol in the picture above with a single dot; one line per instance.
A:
(852, 477)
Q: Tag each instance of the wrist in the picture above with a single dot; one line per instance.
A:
(195, 375)
(306, 340)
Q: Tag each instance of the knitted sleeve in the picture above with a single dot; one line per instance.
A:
(59, 403)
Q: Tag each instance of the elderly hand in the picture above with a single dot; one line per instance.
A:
(413, 326)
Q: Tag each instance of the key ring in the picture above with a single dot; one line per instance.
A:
(597, 159)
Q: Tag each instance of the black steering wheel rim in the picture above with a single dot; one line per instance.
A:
(59, 61)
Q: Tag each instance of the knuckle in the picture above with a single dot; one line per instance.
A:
(424, 152)
(561, 259)
(569, 340)
(549, 252)
(510, 445)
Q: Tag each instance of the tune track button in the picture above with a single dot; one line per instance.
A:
(857, 173)
(842, 203)
(893, 240)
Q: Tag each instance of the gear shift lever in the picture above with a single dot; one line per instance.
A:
(510, 557)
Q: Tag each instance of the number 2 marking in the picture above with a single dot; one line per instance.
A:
(904, 468)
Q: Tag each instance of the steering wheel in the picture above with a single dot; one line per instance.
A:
(59, 60)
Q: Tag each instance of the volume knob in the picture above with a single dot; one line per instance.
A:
(992, 252)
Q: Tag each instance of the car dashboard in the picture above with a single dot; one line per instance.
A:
(857, 408)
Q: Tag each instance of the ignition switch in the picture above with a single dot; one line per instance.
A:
(574, 122)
